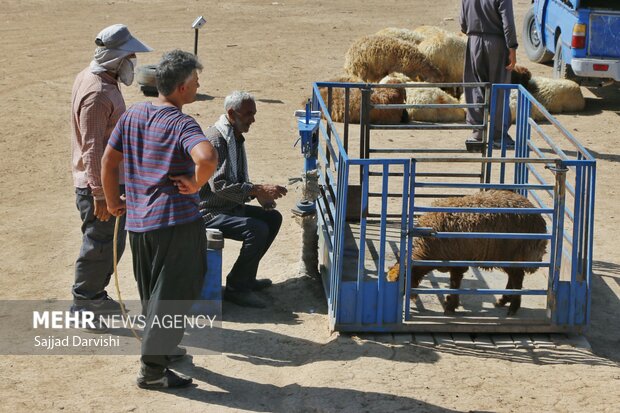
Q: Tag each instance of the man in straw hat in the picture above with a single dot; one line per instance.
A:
(96, 106)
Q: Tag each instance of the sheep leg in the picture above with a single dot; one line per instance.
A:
(516, 274)
(452, 300)
(505, 298)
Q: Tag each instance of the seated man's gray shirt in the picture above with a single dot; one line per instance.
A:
(222, 194)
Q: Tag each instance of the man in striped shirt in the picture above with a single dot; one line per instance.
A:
(97, 103)
(167, 159)
(223, 201)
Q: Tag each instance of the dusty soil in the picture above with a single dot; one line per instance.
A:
(284, 358)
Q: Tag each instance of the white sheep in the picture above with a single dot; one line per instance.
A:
(447, 52)
(373, 57)
(427, 95)
(556, 95)
(402, 34)
(444, 49)
(429, 31)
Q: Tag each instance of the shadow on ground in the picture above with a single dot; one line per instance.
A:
(258, 397)
(604, 331)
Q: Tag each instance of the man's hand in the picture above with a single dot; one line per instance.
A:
(186, 184)
(101, 210)
(270, 191)
(512, 59)
(267, 203)
(117, 207)
(267, 194)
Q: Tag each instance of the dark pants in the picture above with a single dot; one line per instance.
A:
(169, 265)
(257, 228)
(95, 264)
(485, 61)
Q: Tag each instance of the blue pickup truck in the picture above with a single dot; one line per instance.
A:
(581, 36)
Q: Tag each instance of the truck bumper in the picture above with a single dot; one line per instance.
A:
(585, 68)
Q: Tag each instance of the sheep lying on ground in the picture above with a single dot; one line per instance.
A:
(429, 31)
(427, 96)
(402, 34)
(447, 52)
(373, 57)
(556, 95)
(479, 249)
(444, 49)
(378, 96)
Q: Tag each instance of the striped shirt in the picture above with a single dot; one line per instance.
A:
(222, 194)
(156, 142)
(96, 106)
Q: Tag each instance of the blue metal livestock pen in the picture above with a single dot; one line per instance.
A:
(367, 214)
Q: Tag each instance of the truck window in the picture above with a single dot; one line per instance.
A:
(601, 4)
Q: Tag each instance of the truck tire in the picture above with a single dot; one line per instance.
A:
(146, 75)
(561, 69)
(532, 40)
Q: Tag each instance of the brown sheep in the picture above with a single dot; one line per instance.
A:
(520, 75)
(373, 57)
(479, 249)
(378, 96)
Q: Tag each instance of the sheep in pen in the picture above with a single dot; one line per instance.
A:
(474, 249)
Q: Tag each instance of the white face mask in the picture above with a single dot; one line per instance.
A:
(126, 70)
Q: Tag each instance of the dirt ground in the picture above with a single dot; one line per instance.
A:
(283, 358)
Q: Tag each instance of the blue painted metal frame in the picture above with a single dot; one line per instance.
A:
(377, 305)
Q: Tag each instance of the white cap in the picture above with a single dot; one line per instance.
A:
(118, 37)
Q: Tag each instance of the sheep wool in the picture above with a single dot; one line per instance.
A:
(371, 58)
(427, 96)
(429, 31)
(402, 34)
(479, 249)
(447, 52)
(556, 95)
(378, 96)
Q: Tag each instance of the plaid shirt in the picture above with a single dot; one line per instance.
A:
(221, 194)
(97, 104)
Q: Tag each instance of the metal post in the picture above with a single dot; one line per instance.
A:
(410, 227)
(365, 120)
(347, 98)
(195, 42)
(557, 239)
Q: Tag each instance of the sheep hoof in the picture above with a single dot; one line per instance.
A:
(512, 312)
(500, 303)
(449, 311)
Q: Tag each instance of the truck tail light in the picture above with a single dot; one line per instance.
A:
(579, 36)
(600, 67)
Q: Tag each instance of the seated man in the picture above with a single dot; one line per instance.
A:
(223, 201)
